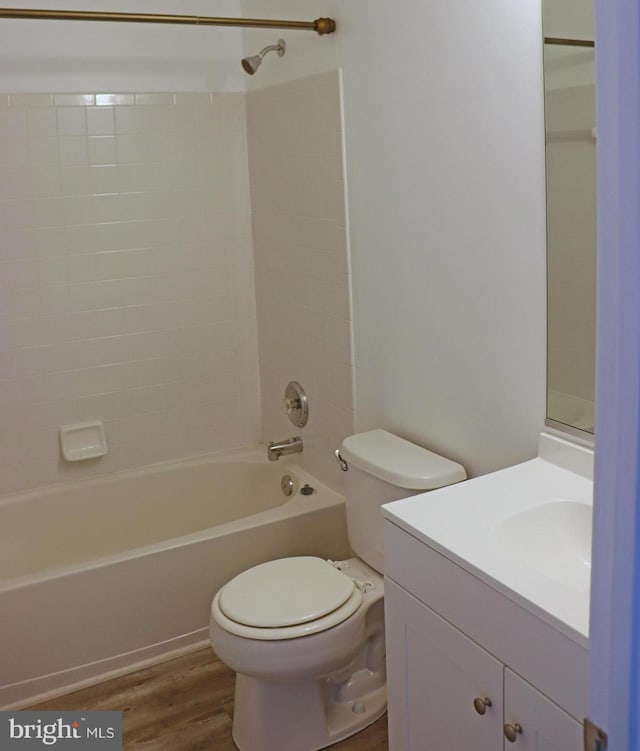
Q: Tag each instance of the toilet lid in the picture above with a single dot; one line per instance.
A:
(285, 592)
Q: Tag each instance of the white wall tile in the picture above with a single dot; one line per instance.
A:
(14, 151)
(29, 361)
(127, 120)
(14, 183)
(102, 150)
(131, 299)
(73, 150)
(51, 241)
(72, 121)
(80, 239)
(43, 182)
(301, 262)
(130, 148)
(43, 151)
(7, 364)
(104, 100)
(75, 180)
(52, 270)
(116, 271)
(55, 300)
(21, 274)
(13, 121)
(100, 121)
(103, 178)
(41, 121)
(31, 100)
(70, 100)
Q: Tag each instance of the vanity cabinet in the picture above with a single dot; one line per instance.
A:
(451, 690)
(434, 675)
(546, 727)
(448, 693)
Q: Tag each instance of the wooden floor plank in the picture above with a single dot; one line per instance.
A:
(184, 704)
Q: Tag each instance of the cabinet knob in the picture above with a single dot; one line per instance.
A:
(511, 732)
(480, 704)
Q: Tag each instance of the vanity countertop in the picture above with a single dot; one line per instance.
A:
(524, 530)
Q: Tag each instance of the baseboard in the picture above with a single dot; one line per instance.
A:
(43, 688)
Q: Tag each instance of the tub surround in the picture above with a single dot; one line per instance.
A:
(303, 280)
(132, 576)
(126, 279)
(127, 285)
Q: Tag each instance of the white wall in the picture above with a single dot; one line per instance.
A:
(89, 56)
(445, 165)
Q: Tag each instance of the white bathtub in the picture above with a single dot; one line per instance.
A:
(102, 575)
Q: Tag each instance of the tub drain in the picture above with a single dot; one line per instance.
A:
(287, 485)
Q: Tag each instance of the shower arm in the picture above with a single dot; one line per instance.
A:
(321, 25)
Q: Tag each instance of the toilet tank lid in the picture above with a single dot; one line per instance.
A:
(399, 462)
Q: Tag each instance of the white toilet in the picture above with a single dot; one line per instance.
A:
(306, 636)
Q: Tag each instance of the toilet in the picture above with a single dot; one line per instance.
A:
(306, 636)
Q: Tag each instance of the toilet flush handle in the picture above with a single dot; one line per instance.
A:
(343, 465)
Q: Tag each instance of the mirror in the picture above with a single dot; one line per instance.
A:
(569, 75)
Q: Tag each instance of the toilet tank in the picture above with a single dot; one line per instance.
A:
(381, 467)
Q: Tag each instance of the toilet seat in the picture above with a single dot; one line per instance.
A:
(286, 599)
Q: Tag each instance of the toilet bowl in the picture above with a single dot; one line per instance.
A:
(310, 678)
(306, 636)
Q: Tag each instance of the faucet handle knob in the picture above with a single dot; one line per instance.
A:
(296, 404)
(290, 405)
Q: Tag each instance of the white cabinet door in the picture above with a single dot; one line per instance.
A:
(545, 727)
(434, 675)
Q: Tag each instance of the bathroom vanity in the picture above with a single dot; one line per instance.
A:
(487, 607)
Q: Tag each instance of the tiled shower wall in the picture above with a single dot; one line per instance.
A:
(126, 279)
(301, 259)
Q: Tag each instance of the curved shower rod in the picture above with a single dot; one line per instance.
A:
(320, 25)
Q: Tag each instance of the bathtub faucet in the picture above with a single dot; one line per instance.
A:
(276, 449)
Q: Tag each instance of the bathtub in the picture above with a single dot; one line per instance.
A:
(107, 574)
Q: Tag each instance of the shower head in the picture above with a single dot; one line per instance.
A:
(251, 64)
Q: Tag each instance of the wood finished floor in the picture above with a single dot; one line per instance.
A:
(185, 704)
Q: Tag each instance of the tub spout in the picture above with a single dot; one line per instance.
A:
(276, 449)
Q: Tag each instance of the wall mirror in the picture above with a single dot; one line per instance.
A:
(569, 75)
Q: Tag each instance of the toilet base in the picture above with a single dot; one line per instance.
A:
(307, 693)
(304, 716)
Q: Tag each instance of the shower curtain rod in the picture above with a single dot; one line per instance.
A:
(320, 25)
(570, 42)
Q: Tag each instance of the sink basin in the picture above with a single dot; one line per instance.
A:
(524, 530)
(554, 538)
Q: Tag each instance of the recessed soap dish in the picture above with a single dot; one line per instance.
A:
(85, 440)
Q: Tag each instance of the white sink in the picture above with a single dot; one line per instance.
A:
(554, 538)
(524, 530)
